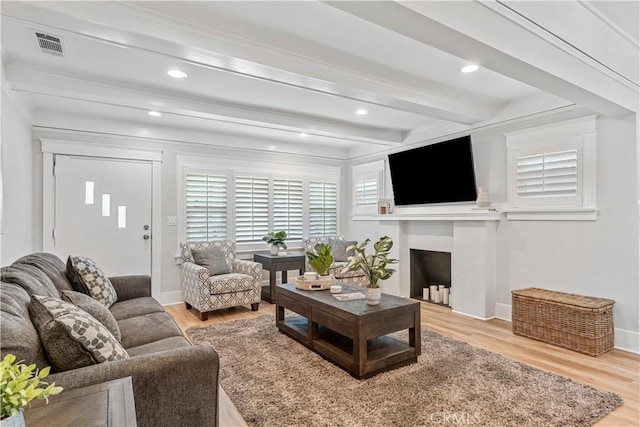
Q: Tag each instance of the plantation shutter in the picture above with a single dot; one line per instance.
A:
(547, 174)
(287, 207)
(366, 191)
(323, 208)
(252, 208)
(206, 207)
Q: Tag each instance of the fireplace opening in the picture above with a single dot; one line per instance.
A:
(430, 276)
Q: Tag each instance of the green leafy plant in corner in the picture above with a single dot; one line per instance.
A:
(276, 239)
(20, 384)
(374, 266)
(320, 259)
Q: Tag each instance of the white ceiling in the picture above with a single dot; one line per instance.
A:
(263, 69)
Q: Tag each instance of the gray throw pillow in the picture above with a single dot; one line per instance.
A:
(211, 258)
(94, 308)
(86, 277)
(339, 249)
(71, 337)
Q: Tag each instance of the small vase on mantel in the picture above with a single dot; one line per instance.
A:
(373, 295)
(483, 200)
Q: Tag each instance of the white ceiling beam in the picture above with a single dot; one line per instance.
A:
(44, 82)
(113, 22)
(503, 42)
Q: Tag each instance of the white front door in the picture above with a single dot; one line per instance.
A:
(103, 212)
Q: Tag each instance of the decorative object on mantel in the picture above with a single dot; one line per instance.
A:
(276, 240)
(19, 385)
(384, 207)
(483, 201)
(298, 387)
(374, 266)
(320, 259)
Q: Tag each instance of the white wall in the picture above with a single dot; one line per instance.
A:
(592, 258)
(18, 216)
(171, 285)
(597, 258)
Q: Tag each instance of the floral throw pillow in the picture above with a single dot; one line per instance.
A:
(86, 277)
(71, 337)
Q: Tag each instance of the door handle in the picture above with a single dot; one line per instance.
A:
(146, 237)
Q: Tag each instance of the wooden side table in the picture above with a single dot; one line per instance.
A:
(105, 404)
(275, 263)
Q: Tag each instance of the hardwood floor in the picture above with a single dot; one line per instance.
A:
(615, 371)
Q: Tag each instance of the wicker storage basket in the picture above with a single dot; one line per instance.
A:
(577, 322)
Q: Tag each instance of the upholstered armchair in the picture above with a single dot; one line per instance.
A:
(356, 278)
(206, 292)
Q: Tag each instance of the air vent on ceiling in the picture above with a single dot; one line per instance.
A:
(50, 44)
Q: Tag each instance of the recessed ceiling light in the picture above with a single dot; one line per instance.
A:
(303, 135)
(361, 111)
(177, 74)
(154, 113)
(469, 68)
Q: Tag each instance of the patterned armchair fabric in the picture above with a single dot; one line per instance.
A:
(356, 278)
(206, 293)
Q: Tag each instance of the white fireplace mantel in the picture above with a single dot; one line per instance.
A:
(473, 256)
(480, 215)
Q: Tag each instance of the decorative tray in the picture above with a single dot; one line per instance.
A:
(320, 284)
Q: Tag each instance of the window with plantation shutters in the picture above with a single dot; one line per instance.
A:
(323, 208)
(367, 186)
(551, 172)
(547, 174)
(205, 206)
(366, 191)
(251, 208)
(287, 207)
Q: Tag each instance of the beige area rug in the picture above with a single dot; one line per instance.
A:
(274, 381)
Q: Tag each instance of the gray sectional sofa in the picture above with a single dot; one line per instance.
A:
(174, 383)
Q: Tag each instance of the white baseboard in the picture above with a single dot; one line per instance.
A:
(627, 340)
(471, 315)
(503, 311)
(623, 339)
(169, 298)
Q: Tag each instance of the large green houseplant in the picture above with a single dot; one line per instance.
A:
(320, 259)
(19, 385)
(374, 266)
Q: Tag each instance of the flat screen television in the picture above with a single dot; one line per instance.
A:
(437, 173)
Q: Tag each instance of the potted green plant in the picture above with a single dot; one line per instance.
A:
(375, 267)
(276, 240)
(320, 259)
(19, 385)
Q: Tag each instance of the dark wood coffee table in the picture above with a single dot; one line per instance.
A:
(351, 334)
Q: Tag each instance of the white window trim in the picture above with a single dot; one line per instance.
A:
(581, 132)
(367, 171)
(233, 166)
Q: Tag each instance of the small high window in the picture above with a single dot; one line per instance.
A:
(551, 171)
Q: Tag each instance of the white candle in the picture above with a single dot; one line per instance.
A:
(433, 290)
(445, 296)
(436, 296)
(425, 293)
